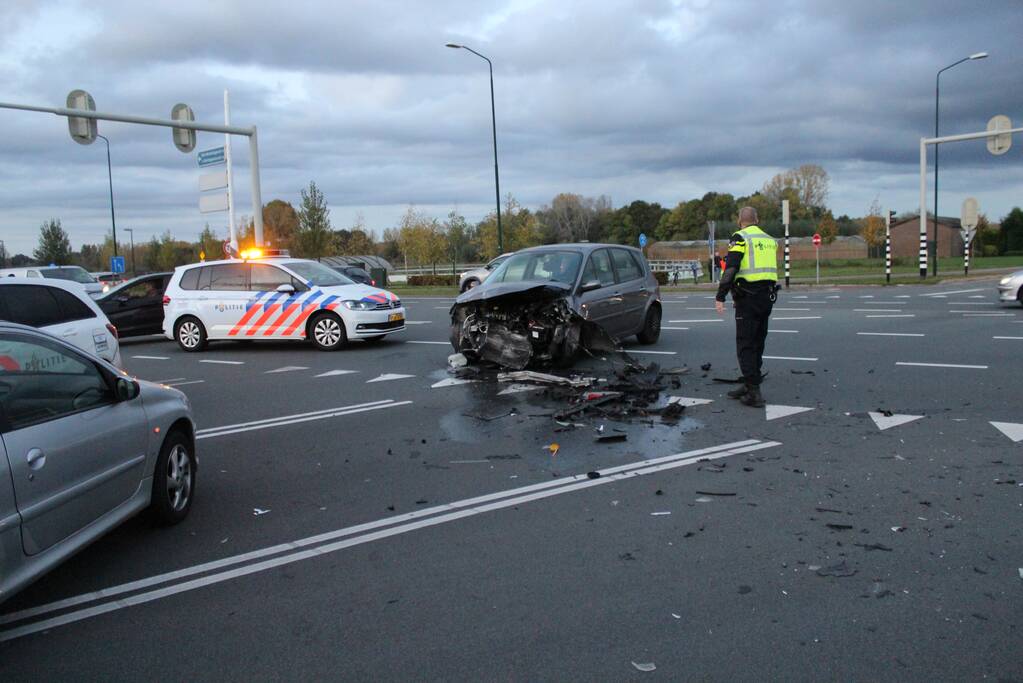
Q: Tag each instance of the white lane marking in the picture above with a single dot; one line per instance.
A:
(1013, 430)
(890, 334)
(892, 315)
(388, 377)
(802, 296)
(803, 317)
(783, 331)
(172, 379)
(877, 310)
(688, 402)
(181, 384)
(866, 296)
(977, 296)
(884, 422)
(700, 308)
(674, 328)
(882, 303)
(971, 314)
(286, 368)
(418, 322)
(152, 357)
(399, 524)
(957, 291)
(774, 412)
(296, 419)
(224, 362)
(707, 320)
(441, 308)
(335, 373)
(411, 341)
(791, 309)
(942, 365)
(971, 303)
(937, 296)
(451, 382)
(833, 296)
(656, 353)
(788, 358)
(1007, 337)
(902, 296)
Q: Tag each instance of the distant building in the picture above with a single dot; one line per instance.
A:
(800, 248)
(906, 237)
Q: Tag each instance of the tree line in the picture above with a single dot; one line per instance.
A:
(422, 240)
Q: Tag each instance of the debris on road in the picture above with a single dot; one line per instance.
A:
(873, 546)
(743, 590)
(715, 493)
(839, 527)
(543, 378)
(705, 367)
(593, 475)
(490, 418)
(257, 512)
(553, 448)
(840, 570)
(457, 360)
(803, 372)
(645, 666)
(611, 438)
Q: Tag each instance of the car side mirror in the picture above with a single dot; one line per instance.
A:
(589, 286)
(126, 389)
(286, 288)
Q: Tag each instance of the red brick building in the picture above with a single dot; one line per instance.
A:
(906, 237)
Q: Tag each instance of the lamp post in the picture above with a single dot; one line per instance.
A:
(937, 89)
(131, 232)
(493, 123)
(110, 179)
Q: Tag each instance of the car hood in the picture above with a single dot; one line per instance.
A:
(535, 291)
(359, 292)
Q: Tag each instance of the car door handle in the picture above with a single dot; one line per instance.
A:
(68, 333)
(36, 459)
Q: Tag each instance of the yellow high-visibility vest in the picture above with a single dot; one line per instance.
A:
(759, 255)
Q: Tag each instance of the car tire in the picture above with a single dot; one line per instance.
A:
(327, 332)
(173, 480)
(470, 284)
(651, 326)
(1019, 295)
(190, 334)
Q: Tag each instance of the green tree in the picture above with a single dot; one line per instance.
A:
(211, 246)
(519, 225)
(459, 238)
(280, 223)
(827, 228)
(54, 245)
(314, 237)
(1012, 231)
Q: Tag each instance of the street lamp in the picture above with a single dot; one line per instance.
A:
(493, 123)
(131, 232)
(937, 84)
(110, 179)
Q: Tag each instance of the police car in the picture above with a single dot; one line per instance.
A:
(270, 295)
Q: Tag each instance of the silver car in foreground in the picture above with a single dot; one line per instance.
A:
(1010, 287)
(83, 447)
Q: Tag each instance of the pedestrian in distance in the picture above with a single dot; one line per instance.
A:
(751, 276)
(674, 277)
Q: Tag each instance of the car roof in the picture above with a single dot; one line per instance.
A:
(230, 261)
(580, 247)
(67, 285)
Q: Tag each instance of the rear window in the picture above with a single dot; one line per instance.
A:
(625, 264)
(73, 273)
(72, 308)
(231, 277)
(190, 280)
(30, 305)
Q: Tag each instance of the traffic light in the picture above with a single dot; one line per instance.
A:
(891, 218)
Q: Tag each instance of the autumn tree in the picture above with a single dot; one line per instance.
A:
(827, 228)
(421, 238)
(519, 226)
(313, 238)
(54, 245)
(459, 238)
(280, 223)
(872, 226)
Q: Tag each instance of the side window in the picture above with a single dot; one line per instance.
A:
(264, 278)
(32, 305)
(142, 290)
(204, 277)
(42, 381)
(626, 265)
(190, 280)
(229, 277)
(598, 267)
(71, 306)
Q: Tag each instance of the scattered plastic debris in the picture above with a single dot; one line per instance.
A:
(257, 512)
(611, 438)
(553, 448)
(645, 666)
(544, 378)
(898, 529)
(704, 499)
(593, 475)
(457, 360)
(677, 616)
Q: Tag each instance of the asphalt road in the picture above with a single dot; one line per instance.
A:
(357, 520)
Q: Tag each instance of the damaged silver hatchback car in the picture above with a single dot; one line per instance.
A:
(545, 303)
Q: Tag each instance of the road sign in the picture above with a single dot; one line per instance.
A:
(212, 181)
(211, 203)
(116, 264)
(999, 144)
(642, 240)
(83, 131)
(184, 139)
(969, 216)
(816, 239)
(785, 211)
(211, 157)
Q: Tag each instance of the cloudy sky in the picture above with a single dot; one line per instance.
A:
(659, 100)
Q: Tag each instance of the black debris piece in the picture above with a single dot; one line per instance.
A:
(658, 492)
(705, 367)
(611, 438)
(390, 508)
(510, 456)
(803, 372)
(714, 493)
(627, 557)
(886, 413)
(593, 475)
(422, 502)
(839, 527)
(840, 512)
(743, 590)
(841, 570)
(873, 546)
(489, 418)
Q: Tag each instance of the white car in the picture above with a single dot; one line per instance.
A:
(275, 297)
(1010, 287)
(62, 309)
(475, 277)
(75, 274)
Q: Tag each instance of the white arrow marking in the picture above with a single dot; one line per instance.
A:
(884, 422)
(334, 373)
(774, 412)
(452, 382)
(286, 368)
(387, 377)
(685, 401)
(1013, 430)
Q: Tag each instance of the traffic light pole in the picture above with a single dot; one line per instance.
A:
(249, 132)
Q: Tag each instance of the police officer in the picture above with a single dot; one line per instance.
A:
(751, 275)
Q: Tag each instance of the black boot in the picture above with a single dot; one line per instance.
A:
(738, 392)
(752, 397)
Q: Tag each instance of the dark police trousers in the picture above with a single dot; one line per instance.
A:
(752, 311)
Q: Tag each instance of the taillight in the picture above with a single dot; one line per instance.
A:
(113, 330)
(373, 282)
(166, 300)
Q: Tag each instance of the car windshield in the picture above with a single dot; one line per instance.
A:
(73, 273)
(541, 266)
(317, 274)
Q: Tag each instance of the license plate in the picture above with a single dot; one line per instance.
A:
(395, 317)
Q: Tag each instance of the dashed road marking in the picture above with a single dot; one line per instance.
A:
(971, 303)
(971, 314)
(788, 358)
(335, 373)
(181, 384)
(656, 353)
(297, 418)
(705, 320)
(152, 357)
(1013, 430)
(286, 368)
(942, 365)
(1007, 337)
(223, 362)
(413, 341)
(877, 310)
(172, 379)
(957, 291)
(388, 377)
(892, 315)
(890, 334)
(803, 317)
(451, 382)
(783, 331)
